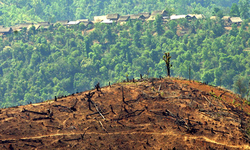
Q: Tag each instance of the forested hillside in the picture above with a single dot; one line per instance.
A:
(18, 11)
(36, 65)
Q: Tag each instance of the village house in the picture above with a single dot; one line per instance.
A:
(176, 17)
(99, 18)
(45, 25)
(136, 17)
(146, 15)
(214, 17)
(123, 19)
(73, 23)
(107, 21)
(22, 26)
(197, 16)
(113, 17)
(6, 31)
(63, 22)
(37, 26)
(162, 13)
(86, 22)
(226, 20)
(235, 20)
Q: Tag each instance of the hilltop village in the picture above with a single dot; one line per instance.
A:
(115, 18)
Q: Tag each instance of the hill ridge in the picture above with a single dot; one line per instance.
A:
(150, 113)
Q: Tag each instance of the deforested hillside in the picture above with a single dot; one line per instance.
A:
(153, 113)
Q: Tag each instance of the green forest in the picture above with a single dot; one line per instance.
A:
(36, 65)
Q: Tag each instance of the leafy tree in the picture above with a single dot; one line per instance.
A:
(218, 12)
(241, 86)
(234, 11)
(170, 11)
(234, 31)
(173, 26)
(158, 25)
(244, 6)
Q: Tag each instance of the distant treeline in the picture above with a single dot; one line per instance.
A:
(20, 11)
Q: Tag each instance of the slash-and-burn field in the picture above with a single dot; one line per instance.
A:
(158, 114)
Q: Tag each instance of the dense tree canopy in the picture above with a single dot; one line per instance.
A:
(36, 65)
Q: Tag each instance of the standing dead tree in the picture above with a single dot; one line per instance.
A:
(97, 86)
(89, 96)
(166, 58)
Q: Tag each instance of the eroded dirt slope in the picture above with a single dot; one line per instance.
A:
(147, 114)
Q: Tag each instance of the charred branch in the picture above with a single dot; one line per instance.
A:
(6, 141)
(41, 118)
(112, 110)
(30, 140)
(132, 114)
(35, 112)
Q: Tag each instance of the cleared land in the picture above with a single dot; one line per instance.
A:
(147, 114)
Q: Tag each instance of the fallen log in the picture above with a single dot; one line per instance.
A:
(7, 141)
(99, 111)
(103, 126)
(30, 140)
(34, 112)
(41, 118)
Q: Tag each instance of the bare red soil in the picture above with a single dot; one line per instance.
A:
(147, 114)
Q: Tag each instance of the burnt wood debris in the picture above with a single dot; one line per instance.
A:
(67, 109)
(128, 109)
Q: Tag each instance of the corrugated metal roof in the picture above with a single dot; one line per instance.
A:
(174, 17)
(73, 22)
(107, 21)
